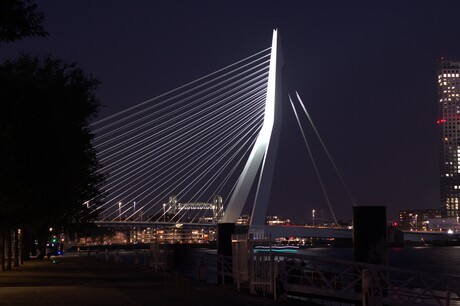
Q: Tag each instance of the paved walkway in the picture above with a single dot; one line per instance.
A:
(86, 281)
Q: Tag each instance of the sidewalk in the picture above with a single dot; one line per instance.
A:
(86, 281)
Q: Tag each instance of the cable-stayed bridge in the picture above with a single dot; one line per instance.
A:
(201, 152)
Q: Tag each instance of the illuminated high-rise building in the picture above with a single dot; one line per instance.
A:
(449, 123)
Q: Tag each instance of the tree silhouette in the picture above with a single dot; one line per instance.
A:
(19, 19)
(48, 166)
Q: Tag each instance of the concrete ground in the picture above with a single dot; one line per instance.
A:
(86, 281)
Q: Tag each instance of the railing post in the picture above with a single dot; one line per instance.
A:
(371, 290)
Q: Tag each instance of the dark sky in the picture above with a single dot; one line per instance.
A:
(366, 70)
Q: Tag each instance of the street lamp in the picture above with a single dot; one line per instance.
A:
(164, 212)
(134, 214)
(119, 210)
(416, 221)
(313, 216)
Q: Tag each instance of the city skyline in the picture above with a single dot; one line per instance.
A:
(367, 73)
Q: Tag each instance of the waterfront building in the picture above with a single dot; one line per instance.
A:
(449, 125)
(417, 219)
(444, 225)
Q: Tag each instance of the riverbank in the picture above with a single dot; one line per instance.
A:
(72, 280)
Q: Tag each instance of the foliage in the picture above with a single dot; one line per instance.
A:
(49, 167)
(19, 19)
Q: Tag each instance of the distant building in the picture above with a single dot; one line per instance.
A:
(449, 125)
(444, 224)
(244, 219)
(276, 220)
(417, 219)
(270, 220)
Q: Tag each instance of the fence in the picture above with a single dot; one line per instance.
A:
(346, 280)
(288, 274)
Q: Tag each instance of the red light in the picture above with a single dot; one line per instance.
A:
(441, 121)
(395, 223)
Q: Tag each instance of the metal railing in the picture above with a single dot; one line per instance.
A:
(345, 280)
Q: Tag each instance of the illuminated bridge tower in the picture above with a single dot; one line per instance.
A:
(449, 123)
(263, 153)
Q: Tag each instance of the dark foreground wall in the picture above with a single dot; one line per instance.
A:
(369, 234)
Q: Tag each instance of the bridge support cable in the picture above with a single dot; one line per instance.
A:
(177, 89)
(323, 188)
(217, 174)
(174, 154)
(171, 106)
(326, 150)
(165, 149)
(187, 142)
(185, 110)
(192, 166)
(183, 126)
(193, 175)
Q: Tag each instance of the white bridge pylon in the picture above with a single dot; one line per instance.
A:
(264, 151)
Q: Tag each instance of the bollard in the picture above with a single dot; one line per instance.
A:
(97, 254)
(106, 254)
(145, 257)
(78, 251)
(89, 252)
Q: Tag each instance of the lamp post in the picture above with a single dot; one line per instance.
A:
(416, 222)
(119, 210)
(134, 208)
(164, 212)
(313, 216)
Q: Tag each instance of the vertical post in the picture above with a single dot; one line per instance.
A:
(369, 234)
(16, 248)
(224, 241)
(2, 248)
(134, 214)
(9, 248)
(369, 246)
(371, 290)
(224, 238)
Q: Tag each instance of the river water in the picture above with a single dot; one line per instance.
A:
(440, 260)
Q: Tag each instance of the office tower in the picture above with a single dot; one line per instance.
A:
(449, 123)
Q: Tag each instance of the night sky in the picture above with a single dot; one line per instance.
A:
(365, 69)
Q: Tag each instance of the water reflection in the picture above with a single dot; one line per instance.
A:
(444, 260)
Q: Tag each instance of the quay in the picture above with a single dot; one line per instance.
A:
(72, 280)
